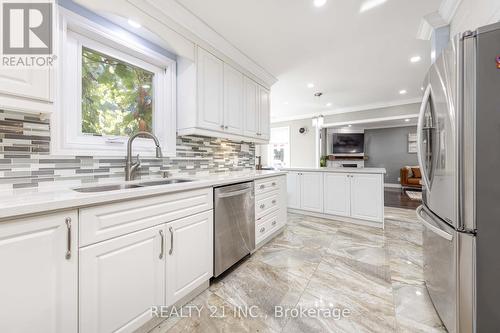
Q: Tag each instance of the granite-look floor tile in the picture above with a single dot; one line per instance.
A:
(301, 262)
(335, 316)
(215, 315)
(415, 312)
(400, 214)
(258, 284)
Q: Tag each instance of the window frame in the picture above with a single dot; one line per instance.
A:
(76, 32)
(286, 144)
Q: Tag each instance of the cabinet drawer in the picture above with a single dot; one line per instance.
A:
(107, 221)
(268, 225)
(266, 185)
(266, 204)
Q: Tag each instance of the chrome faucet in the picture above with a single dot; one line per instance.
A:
(131, 167)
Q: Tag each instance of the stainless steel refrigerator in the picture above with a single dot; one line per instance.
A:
(459, 155)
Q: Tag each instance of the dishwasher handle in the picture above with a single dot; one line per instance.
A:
(234, 193)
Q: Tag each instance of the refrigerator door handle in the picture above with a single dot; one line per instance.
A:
(433, 226)
(420, 127)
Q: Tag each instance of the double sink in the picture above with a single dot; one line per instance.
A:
(115, 187)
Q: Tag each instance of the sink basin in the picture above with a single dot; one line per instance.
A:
(105, 188)
(165, 182)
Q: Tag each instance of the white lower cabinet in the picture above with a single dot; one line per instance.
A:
(120, 280)
(337, 194)
(189, 255)
(38, 279)
(305, 191)
(355, 195)
(367, 197)
(311, 191)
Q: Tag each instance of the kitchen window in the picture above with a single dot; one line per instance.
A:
(279, 147)
(112, 86)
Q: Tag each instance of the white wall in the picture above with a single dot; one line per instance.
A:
(302, 146)
(472, 14)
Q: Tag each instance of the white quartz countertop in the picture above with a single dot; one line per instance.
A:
(34, 201)
(344, 170)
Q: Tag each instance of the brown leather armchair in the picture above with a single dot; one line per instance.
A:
(411, 177)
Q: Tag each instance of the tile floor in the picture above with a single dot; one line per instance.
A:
(326, 265)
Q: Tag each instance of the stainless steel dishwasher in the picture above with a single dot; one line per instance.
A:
(234, 224)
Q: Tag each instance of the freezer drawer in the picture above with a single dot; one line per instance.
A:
(440, 266)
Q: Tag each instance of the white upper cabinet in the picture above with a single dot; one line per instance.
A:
(367, 197)
(233, 100)
(39, 271)
(264, 114)
(210, 82)
(251, 108)
(215, 99)
(26, 89)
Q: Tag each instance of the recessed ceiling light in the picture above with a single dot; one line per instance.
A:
(402, 92)
(407, 120)
(328, 104)
(286, 103)
(370, 4)
(319, 3)
(415, 59)
(349, 125)
(310, 85)
(134, 24)
(418, 292)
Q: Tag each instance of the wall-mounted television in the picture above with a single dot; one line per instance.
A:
(348, 143)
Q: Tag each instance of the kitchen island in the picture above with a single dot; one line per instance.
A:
(347, 194)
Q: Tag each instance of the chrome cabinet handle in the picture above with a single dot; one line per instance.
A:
(274, 184)
(262, 186)
(262, 206)
(274, 202)
(262, 230)
(162, 238)
(171, 240)
(274, 223)
(226, 127)
(222, 126)
(68, 227)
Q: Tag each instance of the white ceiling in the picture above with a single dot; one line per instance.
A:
(356, 59)
(386, 123)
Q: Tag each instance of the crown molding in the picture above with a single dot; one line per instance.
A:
(365, 107)
(448, 9)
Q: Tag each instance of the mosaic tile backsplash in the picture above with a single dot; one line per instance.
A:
(25, 159)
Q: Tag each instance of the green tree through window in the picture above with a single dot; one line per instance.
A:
(116, 96)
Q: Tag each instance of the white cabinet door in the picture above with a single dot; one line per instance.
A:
(38, 281)
(264, 114)
(210, 89)
(311, 191)
(251, 108)
(189, 254)
(233, 100)
(337, 194)
(120, 280)
(367, 197)
(28, 83)
(293, 189)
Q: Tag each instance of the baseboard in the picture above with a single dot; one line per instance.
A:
(392, 185)
(374, 224)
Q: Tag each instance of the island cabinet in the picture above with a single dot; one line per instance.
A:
(354, 196)
(39, 274)
(305, 191)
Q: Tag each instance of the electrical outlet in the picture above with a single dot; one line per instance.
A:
(399, 179)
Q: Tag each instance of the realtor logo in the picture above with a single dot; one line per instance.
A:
(27, 29)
